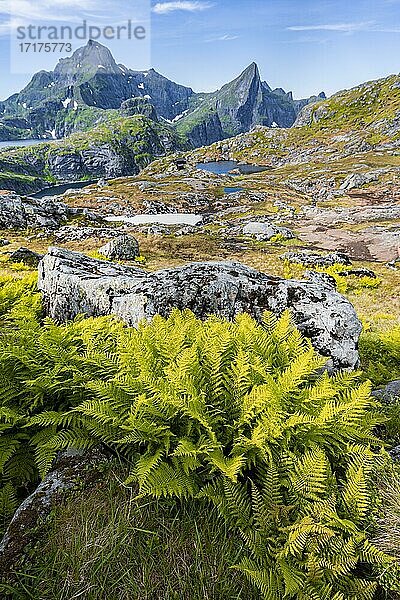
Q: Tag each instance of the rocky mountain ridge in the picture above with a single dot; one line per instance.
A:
(75, 95)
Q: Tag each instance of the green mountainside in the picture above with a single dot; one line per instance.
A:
(119, 145)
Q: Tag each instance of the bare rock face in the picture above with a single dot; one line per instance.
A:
(124, 247)
(73, 284)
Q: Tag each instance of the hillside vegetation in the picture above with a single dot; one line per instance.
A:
(119, 145)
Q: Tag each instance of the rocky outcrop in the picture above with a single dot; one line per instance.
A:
(124, 247)
(69, 469)
(312, 259)
(138, 106)
(73, 284)
(311, 114)
(99, 161)
(18, 213)
(357, 180)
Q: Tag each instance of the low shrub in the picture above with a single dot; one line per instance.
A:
(380, 354)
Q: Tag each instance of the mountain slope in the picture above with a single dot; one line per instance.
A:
(363, 119)
(118, 147)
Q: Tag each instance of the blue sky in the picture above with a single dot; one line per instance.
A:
(305, 46)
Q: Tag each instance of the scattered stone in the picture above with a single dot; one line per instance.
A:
(187, 230)
(124, 247)
(73, 284)
(72, 233)
(361, 272)
(4, 242)
(264, 231)
(312, 259)
(102, 183)
(321, 278)
(25, 256)
(156, 207)
(389, 393)
(154, 230)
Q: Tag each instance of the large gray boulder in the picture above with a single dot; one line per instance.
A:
(124, 247)
(72, 284)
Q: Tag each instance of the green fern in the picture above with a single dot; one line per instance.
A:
(237, 412)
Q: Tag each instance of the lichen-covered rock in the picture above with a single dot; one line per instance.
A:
(70, 467)
(360, 272)
(264, 231)
(313, 259)
(18, 213)
(72, 284)
(357, 180)
(124, 247)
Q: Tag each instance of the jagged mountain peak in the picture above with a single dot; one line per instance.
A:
(252, 69)
(250, 73)
(87, 60)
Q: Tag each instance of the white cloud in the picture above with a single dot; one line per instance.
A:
(61, 11)
(46, 9)
(164, 8)
(223, 38)
(227, 38)
(15, 13)
(341, 27)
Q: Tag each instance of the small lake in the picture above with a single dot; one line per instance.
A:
(21, 143)
(223, 167)
(160, 219)
(232, 190)
(57, 190)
